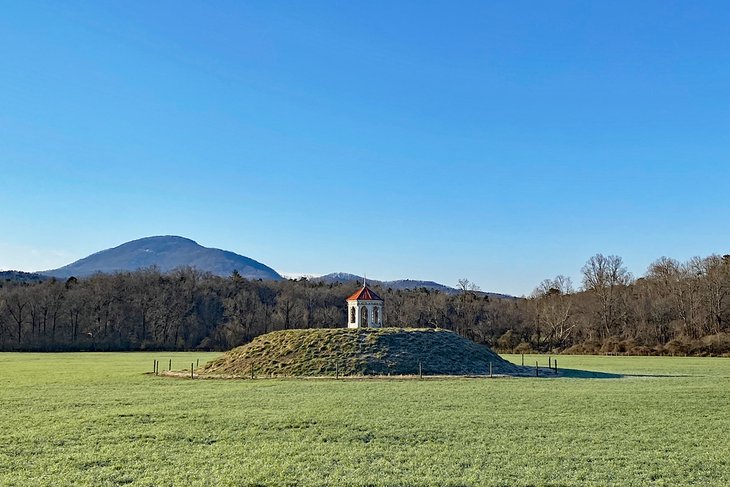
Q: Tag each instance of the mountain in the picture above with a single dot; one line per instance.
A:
(400, 284)
(20, 276)
(166, 253)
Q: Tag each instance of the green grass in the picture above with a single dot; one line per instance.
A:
(95, 419)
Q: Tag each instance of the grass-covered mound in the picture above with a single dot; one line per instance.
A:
(356, 352)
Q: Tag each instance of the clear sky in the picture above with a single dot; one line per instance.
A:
(501, 141)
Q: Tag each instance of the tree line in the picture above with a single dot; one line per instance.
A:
(675, 308)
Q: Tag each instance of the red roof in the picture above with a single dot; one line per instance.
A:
(364, 294)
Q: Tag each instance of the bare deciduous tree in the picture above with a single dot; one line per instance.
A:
(555, 309)
(605, 277)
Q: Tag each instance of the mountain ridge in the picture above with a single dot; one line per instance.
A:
(345, 277)
(166, 252)
(169, 252)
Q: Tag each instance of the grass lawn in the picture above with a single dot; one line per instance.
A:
(96, 419)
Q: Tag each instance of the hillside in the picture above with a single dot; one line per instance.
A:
(355, 352)
(20, 276)
(345, 277)
(166, 253)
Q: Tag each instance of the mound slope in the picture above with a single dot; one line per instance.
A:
(355, 352)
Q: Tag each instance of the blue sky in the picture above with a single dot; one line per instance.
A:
(505, 142)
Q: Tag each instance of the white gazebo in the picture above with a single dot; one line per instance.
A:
(365, 309)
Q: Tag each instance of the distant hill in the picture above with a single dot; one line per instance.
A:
(345, 277)
(399, 284)
(166, 253)
(20, 276)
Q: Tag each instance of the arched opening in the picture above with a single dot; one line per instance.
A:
(352, 314)
(376, 315)
(364, 317)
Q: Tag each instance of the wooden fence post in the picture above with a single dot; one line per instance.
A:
(197, 362)
(550, 363)
(192, 374)
(252, 371)
(169, 365)
(556, 365)
(420, 370)
(490, 369)
(537, 369)
(523, 359)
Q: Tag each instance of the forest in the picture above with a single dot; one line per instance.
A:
(675, 308)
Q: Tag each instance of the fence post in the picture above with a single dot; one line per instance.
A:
(153, 366)
(490, 369)
(252, 371)
(556, 365)
(550, 363)
(523, 359)
(192, 374)
(197, 362)
(537, 369)
(420, 370)
(169, 365)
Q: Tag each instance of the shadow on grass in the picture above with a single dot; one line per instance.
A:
(588, 374)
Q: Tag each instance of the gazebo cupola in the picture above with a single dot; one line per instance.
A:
(365, 309)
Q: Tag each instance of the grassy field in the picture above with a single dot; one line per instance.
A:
(95, 419)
